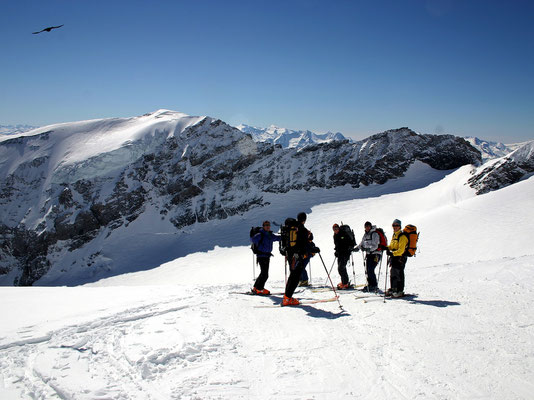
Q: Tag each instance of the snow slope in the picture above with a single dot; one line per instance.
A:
(177, 331)
(108, 139)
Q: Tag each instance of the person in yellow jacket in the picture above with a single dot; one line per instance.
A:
(397, 255)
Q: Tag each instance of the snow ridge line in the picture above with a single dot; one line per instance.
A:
(93, 325)
(35, 340)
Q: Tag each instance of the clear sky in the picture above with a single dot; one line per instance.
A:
(357, 67)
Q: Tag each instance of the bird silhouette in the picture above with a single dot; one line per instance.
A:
(48, 29)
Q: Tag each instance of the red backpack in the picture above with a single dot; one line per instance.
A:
(383, 245)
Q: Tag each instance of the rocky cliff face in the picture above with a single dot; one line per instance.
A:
(505, 171)
(66, 186)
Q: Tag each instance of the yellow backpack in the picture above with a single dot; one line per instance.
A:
(288, 236)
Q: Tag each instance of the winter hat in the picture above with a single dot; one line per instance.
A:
(397, 221)
(335, 226)
(301, 217)
(368, 224)
(266, 223)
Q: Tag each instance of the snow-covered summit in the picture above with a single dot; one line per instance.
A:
(289, 138)
(91, 148)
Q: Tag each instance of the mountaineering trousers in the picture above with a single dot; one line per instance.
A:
(264, 272)
(297, 265)
(398, 263)
(304, 273)
(342, 261)
(371, 261)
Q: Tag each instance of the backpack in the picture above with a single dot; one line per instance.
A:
(410, 231)
(288, 235)
(383, 245)
(345, 229)
(253, 232)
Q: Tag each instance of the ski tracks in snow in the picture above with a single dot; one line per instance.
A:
(160, 350)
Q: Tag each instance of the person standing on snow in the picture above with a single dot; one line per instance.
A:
(299, 258)
(342, 250)
(397, 256)
(264, 240)
(370, 245)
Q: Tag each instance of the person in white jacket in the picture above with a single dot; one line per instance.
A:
(370, 245)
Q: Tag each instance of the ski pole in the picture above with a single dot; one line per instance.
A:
(364, 261)
(386, 283)
(353, 271)
(331, 268)
(253, 269)
(333, 288)
(379, 269)
(285, 268)
(310, 280)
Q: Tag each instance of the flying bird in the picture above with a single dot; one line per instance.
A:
(48, 29)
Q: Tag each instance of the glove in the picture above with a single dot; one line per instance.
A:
(316, 250)
(356, 249)
(365, 249)
(336, 254)
(389, 253)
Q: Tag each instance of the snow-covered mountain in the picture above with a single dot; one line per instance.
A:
(289, 138)
(491, 150)
(182, 331)
(77, 197)
(504, 171)
(14, 129)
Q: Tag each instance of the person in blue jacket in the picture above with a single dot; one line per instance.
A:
(264, 240)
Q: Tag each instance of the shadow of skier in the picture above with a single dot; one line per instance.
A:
(435, 303)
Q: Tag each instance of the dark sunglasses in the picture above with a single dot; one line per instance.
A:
(396, 225)
(266, 224)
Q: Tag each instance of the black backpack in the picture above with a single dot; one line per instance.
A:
(288, 235)
(345, 230)
(253, 232)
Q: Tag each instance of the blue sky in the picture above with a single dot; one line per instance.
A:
(358, 67)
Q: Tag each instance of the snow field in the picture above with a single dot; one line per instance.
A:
(177, 331)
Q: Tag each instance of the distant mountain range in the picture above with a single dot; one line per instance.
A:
(289, 138)
(490, 149)
(14, 129)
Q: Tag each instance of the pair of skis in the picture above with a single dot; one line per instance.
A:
(329, 288)
(301, 303)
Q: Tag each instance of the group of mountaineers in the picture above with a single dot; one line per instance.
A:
(296, 244)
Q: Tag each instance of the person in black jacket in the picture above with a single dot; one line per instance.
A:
(300, 256)
(264, 240)
(342, 249)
